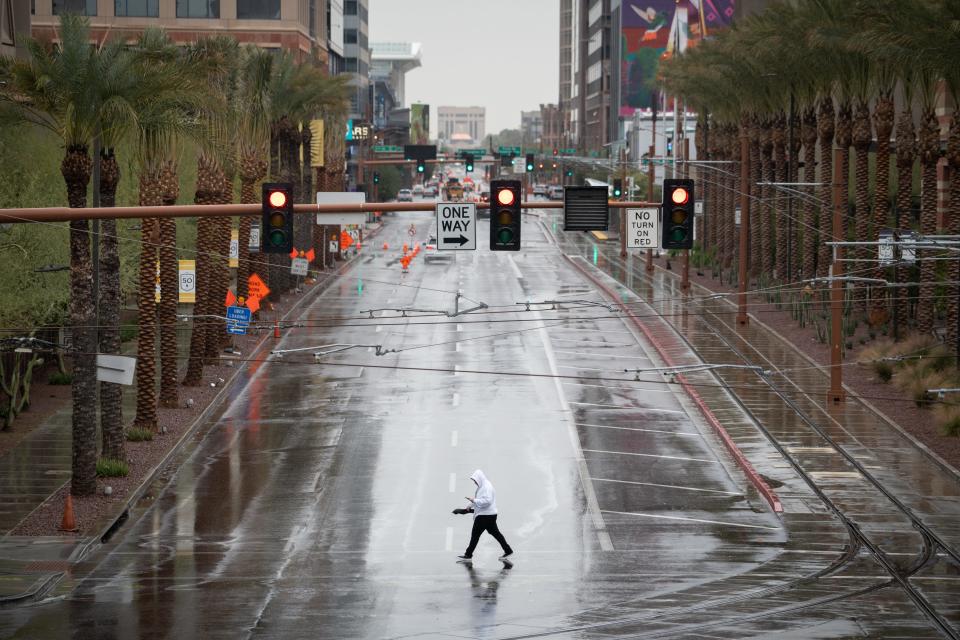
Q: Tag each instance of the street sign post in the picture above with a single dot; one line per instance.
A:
(885, 248)
(238, 319)
(456, 226)
(643, 228)
(299, 266)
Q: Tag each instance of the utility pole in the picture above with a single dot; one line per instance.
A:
(623, 196)
(685, 273)
(836, 393)
(651, 178)
(742, 317)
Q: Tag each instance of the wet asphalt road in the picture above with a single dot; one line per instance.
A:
(318, 504)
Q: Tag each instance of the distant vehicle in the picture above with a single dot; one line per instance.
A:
(404, 195)
(453, 190)
(484, 197)
(431, 254)
(539, 189)
(418, 189)
(430, 191)
(555, 192)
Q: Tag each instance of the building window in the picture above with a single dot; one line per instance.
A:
(350, 8)
(313, 18)
(258, 9)
(350, 65)
(198, 8)
(136, 8)
(349, 36)
(79, 7)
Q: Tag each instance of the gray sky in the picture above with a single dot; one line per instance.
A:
(499, 54)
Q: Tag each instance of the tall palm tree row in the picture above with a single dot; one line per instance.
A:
(840, 62)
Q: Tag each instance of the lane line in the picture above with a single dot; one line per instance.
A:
(456, 399)
(616, 406)
(604, 386)
(456, 370)
(650, 455)
(453, 438)
(448, 545)
(516, 269)
(459, 327)
(672, 433)
(726, 524)
(453, 482)
(669, 486)
(457, 347)
(603, 356)
(379, 328)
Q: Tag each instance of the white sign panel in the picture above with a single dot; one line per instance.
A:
(234, 250)
(736, 216)
(340, 197)
(115, 369)
(908, 249)
(255, 238)
(885, 248)
(299, 266)
(698, 207)
(643, 228)
(456, 226)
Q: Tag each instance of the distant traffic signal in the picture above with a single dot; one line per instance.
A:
(376, 177)
(529, 162)
(420, 166)
(277, 219)
(617, 188)
(505, 219)
(556, 151)
(669, 146)
(468, 160)
(677, 214)
(569, 173)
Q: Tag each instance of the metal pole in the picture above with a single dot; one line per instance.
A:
(623, 212)
(685, 277)
(836, 393)
(650, 185)
(742, 317)
(790, 165)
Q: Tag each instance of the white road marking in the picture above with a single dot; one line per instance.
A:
(453, 482)
(456, 399)
(566, 366)
(604, 386)
(726, 524)
(457, 347)
(379, 328)
(585, 343)
(650, 455)
(453, 438)
(672, 433)
(459, 327)
(603, 355)
(448, 546)
(456, 370)
(616, 406)
(516, 269)
(668, 486)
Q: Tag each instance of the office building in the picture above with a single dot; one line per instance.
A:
(14, 25)
(461, 124)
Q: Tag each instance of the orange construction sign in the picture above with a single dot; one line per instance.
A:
(231, 299)
(310, 255)
(253, 303)
(257, 287)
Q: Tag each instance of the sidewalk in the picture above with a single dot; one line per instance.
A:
(38, 467)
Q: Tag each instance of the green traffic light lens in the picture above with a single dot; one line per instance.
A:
(505, 236)
(678, 234)
(278, 237)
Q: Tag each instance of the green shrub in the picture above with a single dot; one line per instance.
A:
(884, 370)
(136, 434)
(60, 378)
(948, 419)
(915, 381)
(109, 468)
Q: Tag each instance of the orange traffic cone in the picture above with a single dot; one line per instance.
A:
(385, 246)
(69, 521)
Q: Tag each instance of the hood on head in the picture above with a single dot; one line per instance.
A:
(479, 477)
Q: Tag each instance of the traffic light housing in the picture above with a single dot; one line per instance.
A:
(617, 188)
(669, 146)
(276, 224)
(505, 218)
(468, 160)
(678, 199)
(376, 177)
(529, 162)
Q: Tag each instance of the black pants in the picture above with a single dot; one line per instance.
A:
(488, 524)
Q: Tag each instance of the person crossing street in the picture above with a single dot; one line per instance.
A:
(484, 509)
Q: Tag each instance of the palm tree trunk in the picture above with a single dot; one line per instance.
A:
(111, 395)
(862, 137)
(756, 207)
(733, 188)
(780, 220)
(825, 135)
(794, 242)
(146, 369)
(768, 175)
(169, 289)
(76, 169)
(206, 242)
(809, 210)
(217, 336)
(906, 156)
(698, 143)
(253, 168)
(884, 115)
(953, 227)
(929, 154)
(319, 242)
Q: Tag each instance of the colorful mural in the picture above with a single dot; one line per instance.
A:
(651, 29)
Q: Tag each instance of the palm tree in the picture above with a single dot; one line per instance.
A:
(58, 88)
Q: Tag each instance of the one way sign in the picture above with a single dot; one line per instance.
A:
(456, 226)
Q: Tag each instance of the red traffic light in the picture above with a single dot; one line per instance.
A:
(505, 197)
(277, 199)
(680, 196)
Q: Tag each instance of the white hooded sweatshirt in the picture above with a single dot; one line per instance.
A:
(485, 498)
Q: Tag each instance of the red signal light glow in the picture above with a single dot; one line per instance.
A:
(277, 199)
(680, 196)
(505, 197)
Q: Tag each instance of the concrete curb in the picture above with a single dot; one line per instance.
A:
(112, 523)
(765, 490)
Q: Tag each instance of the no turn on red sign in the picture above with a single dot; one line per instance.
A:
(643, 228)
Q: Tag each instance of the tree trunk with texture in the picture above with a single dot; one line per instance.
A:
(929, 154)
(76, 169)
(206, 242)
(253, 169)
(766, 194)
(810, 212)
(756, 207)
(825, 134)
(884, 116)
(111, 395)
(906, 156)
(733, 188)
(862, 138)
(146, 368)
(780, 221)
(953, 227)
(169, 289)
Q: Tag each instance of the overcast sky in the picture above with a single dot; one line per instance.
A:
(499, 54)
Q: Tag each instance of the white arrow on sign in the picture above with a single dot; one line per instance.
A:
(456, 226)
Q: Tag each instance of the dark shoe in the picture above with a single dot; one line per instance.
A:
(506, 555)
(464, 558)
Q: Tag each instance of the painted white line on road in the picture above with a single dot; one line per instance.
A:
(617, 406)
(459, 327)
(603, 355)
(457, 347)
(453, 482)
(591, 330)
(453, 438)
(604, 386)
(516, 269)
(592, 503)
(456, 370)
(668, 486)
(456, 399)
(379, 328)
(672, 433)
(661, 517)
(585, 343)
(651, 455)
(567, 366)
(448, 545)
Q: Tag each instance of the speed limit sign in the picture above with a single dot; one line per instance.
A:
(188, 281)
